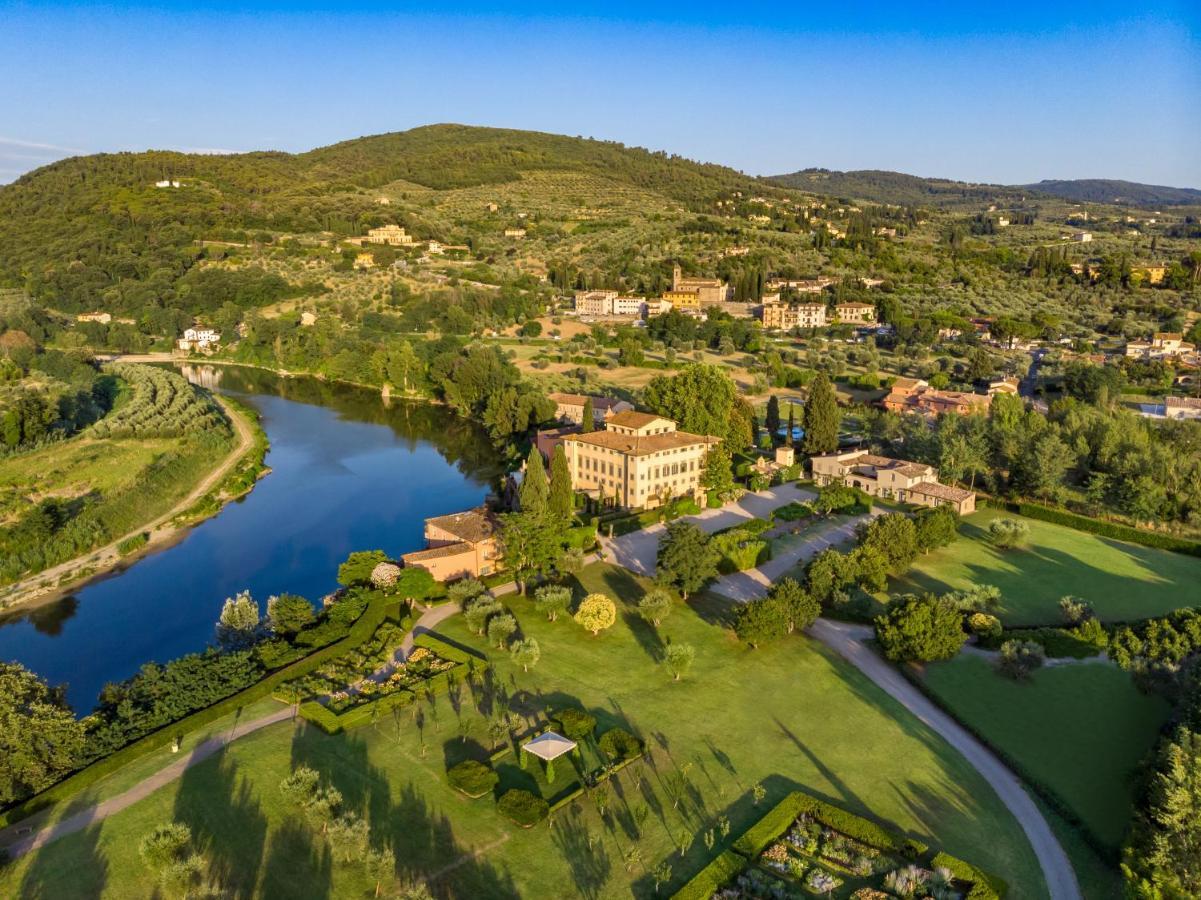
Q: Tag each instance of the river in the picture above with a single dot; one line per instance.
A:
(350, 471)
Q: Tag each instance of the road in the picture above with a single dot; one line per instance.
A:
(160, 530)
(637, 551)
(849, 641)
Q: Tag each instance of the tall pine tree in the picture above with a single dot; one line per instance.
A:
(534, 492)
(772, 420)
(820, 418)
(560, 486)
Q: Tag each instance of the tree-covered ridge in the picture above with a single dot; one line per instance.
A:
(878, 186)
(1105, 190)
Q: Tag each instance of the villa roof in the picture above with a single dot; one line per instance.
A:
(437, 552)
(473, 525)
(633, 419)
(549, 746)
(581, 399)
(941, 491)
(640, 445)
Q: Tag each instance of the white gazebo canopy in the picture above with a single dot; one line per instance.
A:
(549, 746)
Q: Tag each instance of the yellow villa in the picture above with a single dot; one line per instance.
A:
(639, 460)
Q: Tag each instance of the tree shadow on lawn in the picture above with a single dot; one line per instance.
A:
(624, 586)
(713, 609)
(584, 853)
(645, 634)
(298, 863)
(228, 825)
(421, 837)
(45, 877)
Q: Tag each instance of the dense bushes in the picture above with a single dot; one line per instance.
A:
(472, 778)
(925, 629)
(1156, 648)
(619, 745)
(523, 808)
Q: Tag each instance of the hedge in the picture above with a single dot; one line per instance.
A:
(445, 649)
(778, 819)
(1101, 527)
(709, 880)
(356, 717)
(359, 632)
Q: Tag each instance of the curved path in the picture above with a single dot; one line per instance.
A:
(849, 642)
(20, 838)
(160, 529)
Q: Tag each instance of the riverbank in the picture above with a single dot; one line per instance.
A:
(232, 478)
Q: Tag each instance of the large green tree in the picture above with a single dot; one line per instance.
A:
(40, 740)
(702, 400)
(686, 559)
(820, 417)
(534, 492)
(561, 494)
(923, 629)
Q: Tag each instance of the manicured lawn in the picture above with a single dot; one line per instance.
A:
(1080, 729)
(788, 715)
(1121, 581)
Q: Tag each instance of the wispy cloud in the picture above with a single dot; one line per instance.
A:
(34, 145)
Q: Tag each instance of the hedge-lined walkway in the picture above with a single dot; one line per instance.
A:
(18, 839)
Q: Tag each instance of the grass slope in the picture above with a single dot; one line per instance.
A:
(1081, 730)
(1122, 581)
(787, 715)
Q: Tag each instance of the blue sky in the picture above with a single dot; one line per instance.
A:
(1012, 93)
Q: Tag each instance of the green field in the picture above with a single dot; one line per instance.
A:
(789, 715)
(1122, 581)
(1080, 729)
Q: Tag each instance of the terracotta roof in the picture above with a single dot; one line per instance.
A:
(1183, 402)
(640, 445)
(941, 491)
(581, 399)
(903, 382)
(855, 306)
(632, 419)
(473, 525)
(437, 552)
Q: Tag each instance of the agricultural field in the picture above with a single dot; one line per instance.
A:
(787, 716)
(1122, 581)
(1080, 729)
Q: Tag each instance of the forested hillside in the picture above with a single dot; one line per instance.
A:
(897, 188)
(1102, 190)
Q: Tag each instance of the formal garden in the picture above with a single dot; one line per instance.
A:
(725, 737)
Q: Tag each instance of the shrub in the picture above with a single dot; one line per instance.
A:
(596, 613)
(619, 745)
(984, 625)
(1008, 534)
(523, 808)
(472, 778)
(793, 512)
(574, 724)
(133, 543)
(1020, 658)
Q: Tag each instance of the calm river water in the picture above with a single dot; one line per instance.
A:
(349, 472)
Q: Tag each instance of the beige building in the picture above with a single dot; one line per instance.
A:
(682, 299)
(609, 304)
(855, 312)
(514, 232)
(392, 235)
(1163, 344)
(460, 545)
(570, 408)
(102, 317)
(708, 290)
(787, 316)
(892, 479)
(639, 460)
(1182, 407)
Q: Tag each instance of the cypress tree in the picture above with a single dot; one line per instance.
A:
(534, 492)
(772, 420)
(820, 418)
(589, 423)
(560, 486)
(788, 439)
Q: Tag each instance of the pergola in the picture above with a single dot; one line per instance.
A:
(548, 747)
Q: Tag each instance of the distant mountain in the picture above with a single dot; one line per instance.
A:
(1127, 193)
(896, 187)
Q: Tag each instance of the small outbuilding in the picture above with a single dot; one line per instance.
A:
(548, 747)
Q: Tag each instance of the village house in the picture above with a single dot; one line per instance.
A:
(913, 395)
(787, 316)
(892, 479)
(570, 408)
(682, 300)
(1152, 273)
(1163, 345)
(202, 339)
(769, 466)
(639, 460)
(1082, 237)
(802, 285)
(167, 183)
(1007, 385)
(392, 235)
(708, 290)
(609, 304)
(102, 317)
(1182, 407)
(859, 313)
(515, 233)
(460, 545)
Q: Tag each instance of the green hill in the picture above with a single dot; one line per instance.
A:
(1125, 193)
(94, 231)
(898, 188)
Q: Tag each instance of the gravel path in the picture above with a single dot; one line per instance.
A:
(849, 642)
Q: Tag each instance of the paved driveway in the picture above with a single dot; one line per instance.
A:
(638, 551)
